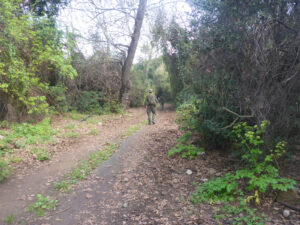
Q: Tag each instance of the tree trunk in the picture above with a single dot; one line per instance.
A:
(126, 84)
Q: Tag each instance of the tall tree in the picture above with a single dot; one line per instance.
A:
(125, 88)
(114, 28)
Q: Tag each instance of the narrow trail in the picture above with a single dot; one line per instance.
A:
(19, 190)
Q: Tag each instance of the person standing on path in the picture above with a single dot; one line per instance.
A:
(151, 102)
(161, 100)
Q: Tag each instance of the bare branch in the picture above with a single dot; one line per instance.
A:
(236, 119)
(291, 77)
(230, 125)
(240, 116)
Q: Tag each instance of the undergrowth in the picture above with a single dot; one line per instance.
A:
(258, 177)
(25, 133)
(42, 205)
(240, 213)
(40, 153)
(19, 136)
(185, 148)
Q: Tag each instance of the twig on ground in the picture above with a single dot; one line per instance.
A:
(52, 214)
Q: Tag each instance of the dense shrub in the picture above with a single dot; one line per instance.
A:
(30, 55)
(89, 101)
(250, 184)
(58, 99)
(207, 120)
(239, 55)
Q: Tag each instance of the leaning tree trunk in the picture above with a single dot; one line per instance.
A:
(126, 84)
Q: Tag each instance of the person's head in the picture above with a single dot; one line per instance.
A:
(150, 90)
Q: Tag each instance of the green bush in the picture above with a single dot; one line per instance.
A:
(89, 102)
(187, 116)
(31, 49)
(260, 171)
(112, 107)
(259, 175)
(199, 117)
(4, 124)
(58, 98)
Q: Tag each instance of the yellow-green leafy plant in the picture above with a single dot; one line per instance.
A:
(30, 47)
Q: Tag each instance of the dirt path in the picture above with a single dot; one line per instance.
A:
(19, 190)
(106, 197)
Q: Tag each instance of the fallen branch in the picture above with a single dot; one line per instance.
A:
(52, 214)
(290, 206)
(84, 119)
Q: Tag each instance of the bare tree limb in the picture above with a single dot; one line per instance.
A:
(236, 119)
(291, 77)
(240, 116)
(230, 125)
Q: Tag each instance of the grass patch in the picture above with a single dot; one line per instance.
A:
(10, 218)
(104, 119)
(40, 154)
(131, 130)
(94, 132)
(70, 126)
(42, 205)
(64, 185)
(5, 169)
(92, 120)
(71, 135)
(84, 169)
(76, 115)
(14, 159)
